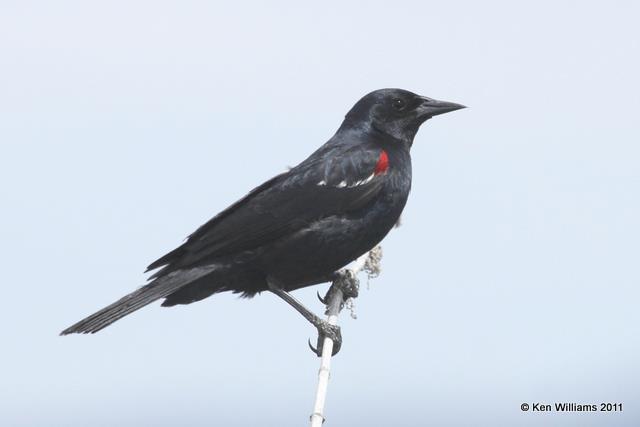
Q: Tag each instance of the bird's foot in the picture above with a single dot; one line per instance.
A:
(348, 282)
(345, 281)
(326, 330)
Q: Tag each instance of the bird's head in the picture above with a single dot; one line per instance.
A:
(396, 112)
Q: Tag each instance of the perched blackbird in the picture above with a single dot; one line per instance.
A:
(300, 227)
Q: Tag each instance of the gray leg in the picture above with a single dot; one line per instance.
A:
(324, 328)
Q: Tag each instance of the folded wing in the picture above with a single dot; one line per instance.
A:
(315, 189)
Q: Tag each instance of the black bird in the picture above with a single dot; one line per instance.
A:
(300, 227)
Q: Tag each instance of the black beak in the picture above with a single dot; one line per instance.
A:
(432, 107)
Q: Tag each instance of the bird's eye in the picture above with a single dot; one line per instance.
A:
(398, 104)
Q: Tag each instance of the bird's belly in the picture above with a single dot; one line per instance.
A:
(310, 255)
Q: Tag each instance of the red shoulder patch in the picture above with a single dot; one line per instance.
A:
(383, 163)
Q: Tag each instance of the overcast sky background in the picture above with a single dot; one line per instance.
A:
(514, 277)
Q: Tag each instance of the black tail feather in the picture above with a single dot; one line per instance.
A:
(159, 288)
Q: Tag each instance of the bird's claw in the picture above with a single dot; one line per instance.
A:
(313, 349)
(322, 300)
(327, 330)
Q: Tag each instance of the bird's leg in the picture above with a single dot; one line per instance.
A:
(325, 329)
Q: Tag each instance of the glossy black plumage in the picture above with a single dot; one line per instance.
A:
(299, 227)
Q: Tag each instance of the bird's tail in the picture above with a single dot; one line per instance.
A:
(159, 288)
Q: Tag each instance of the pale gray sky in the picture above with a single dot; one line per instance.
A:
(514, 278)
